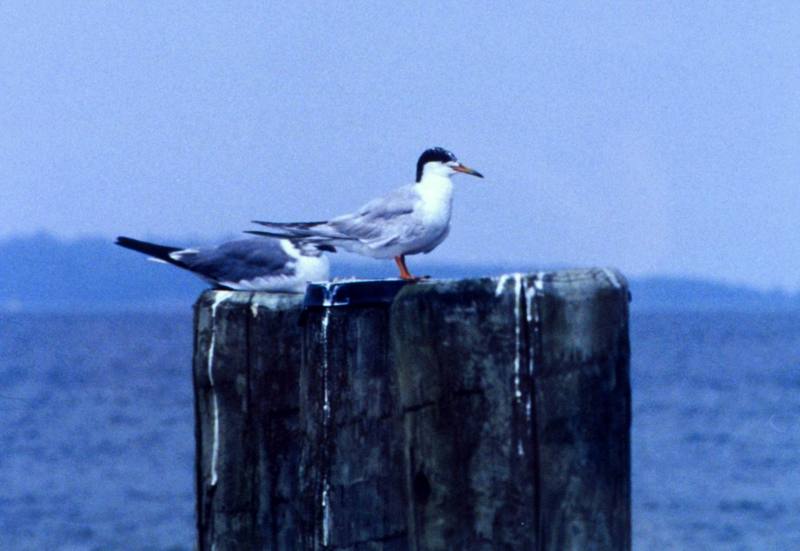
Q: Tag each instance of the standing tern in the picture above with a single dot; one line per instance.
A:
(412, 219)
(273, 265)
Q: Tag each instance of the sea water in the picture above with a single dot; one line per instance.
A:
(97, 435)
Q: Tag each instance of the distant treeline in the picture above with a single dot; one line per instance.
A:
(42, 273)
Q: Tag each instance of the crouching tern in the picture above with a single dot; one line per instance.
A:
(258, 264)
(412, 219)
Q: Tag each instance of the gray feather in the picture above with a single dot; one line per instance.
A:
(240, 259)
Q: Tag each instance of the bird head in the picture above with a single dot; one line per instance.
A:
(442, 162)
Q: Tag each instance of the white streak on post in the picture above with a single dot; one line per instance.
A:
(326, 513)
(328, 300)
(326, 405)
(536, 320)
(501, 285)
(517, 332)
(538, 282)
(219, 298)
(612, 278)
(518, 321)
(326, 416)
(518, 298)
(532, 317)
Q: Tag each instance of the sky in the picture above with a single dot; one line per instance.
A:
(657, 137)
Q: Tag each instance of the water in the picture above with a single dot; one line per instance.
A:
(97, 437)
(716, 435)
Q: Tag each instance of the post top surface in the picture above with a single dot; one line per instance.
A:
(373, 292)
(574, 283)
(352, 293)
(214, 298)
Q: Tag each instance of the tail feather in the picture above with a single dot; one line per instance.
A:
(290, 225)
(313, 232)
(160, 252)
(303, 238)
(281, 235)
(292, 229)
(319, 242)
(278, 235)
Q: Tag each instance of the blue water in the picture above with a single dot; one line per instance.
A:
(97, 438)
(716, 431)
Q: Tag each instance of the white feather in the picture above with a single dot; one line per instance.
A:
(178, 255)
(306, 269)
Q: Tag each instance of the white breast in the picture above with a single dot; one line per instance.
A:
(432, 212)
(306, 269)
(436, 201)
(313, 268)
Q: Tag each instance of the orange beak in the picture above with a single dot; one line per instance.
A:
(467, 170)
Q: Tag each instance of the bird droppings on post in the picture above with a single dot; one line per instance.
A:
(517, 333)
(328, 300)
(326, 408)
(364, 292)
(533, 319)
(538, 281)
(467, 414)
(612, 278)
(521, 294)
(326, 420)
(524, 293)
(219, 298)
(501, 284)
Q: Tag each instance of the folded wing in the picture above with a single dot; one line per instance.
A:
(377, 224)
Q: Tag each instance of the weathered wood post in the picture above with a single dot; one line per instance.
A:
(479, 414)
(351, 472)
(246, 371)
(516, 408)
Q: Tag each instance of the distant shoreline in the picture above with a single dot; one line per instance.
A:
(40, 273)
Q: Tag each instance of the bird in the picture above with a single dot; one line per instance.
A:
(248, 264)
(412, 219)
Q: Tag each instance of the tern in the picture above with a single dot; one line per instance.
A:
(410, 220)
(256, 264)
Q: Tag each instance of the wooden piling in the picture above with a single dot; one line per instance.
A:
(516, 407)
(246, 372)
(351, 472)
(490, 413)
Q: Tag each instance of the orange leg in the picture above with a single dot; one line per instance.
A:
(401, 264)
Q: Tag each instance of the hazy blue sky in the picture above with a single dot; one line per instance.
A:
(657, 137)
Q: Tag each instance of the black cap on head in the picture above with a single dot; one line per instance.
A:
(434, 154)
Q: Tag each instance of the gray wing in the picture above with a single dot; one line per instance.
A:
(237, 260)
(381, 221)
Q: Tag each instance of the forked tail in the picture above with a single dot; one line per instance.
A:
(161, 252)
